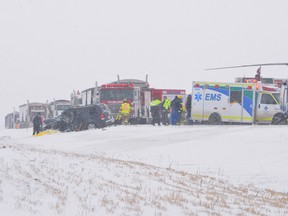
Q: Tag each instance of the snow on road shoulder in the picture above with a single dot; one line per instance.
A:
(46, 182)
(165, 170)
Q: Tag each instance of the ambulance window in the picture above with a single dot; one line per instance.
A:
(276, 96)
(267, 99)
(236, 97)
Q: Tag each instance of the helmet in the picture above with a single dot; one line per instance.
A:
(180, 96)
(125, 100)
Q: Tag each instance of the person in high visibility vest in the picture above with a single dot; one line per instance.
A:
(155, 108)
(182, 115)
(125, 109)
(165, 110)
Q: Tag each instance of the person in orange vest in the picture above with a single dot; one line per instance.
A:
(125, 111)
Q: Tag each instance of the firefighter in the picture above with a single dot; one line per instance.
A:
(165, 110)
(125, 111)
(155, 109)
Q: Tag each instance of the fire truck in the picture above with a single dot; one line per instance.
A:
(137, 92)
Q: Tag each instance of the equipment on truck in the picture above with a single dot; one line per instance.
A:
(258, 77)
(217, 102)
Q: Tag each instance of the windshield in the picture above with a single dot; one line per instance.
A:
(116, 94)
(63, 107)
(277, 97)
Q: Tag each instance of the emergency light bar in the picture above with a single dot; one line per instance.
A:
(117, 85)
(264, 88)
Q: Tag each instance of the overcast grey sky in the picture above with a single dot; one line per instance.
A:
(50, 47)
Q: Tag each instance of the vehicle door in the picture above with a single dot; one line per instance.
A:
(197, 110)
(136, 102)
(235, 104)
(267, 106)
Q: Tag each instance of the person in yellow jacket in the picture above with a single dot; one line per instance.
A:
(182, 115)
(125, 109)
(155, 109)
(165, 110)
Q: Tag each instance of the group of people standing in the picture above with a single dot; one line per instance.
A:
(166, 112)
(179, 113)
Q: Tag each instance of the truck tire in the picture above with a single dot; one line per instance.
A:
(91, 126)
(279, 119)
(215, 119)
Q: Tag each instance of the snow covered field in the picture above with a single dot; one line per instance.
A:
(146, 170)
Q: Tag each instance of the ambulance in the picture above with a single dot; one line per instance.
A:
(219, 102)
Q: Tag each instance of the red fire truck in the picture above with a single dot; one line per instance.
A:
(138, 94)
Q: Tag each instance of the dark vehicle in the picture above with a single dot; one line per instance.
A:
(82, 118)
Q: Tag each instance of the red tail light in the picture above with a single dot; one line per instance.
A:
(102, 116)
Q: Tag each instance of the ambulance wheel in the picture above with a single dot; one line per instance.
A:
(278, 119)
(215, 119)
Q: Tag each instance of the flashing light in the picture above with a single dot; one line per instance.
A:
(196, 85)
(216, 86)
(268, 89)
(249, 87)
(257, 86)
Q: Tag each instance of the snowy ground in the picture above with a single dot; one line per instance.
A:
(146, 170)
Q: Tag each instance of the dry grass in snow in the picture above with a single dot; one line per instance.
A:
(50, 182)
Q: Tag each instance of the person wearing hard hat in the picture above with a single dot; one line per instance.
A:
(125, 109)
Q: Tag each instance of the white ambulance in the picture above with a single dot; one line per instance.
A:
(217, 102)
